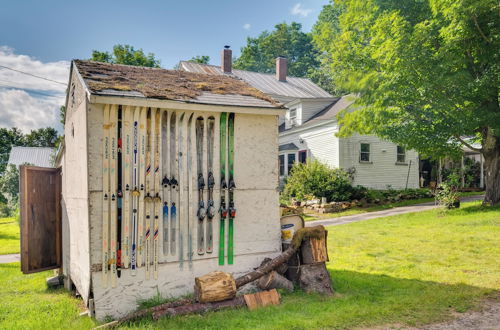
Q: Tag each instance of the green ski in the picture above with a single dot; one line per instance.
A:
(223, 186)
(232, 210)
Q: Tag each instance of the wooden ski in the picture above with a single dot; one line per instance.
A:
(210, 184)
(189, 178)
(127, 151)
(105, 195)
(181, 127)
(135, 190)
(142, 184)
(157, 198)
(202, 211)
(113, 117)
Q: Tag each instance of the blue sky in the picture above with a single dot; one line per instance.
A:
(42, 37)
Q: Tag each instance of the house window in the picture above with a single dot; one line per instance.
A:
(291, 160)
(401, 154)
(303, 156)
(293, 113)
(282, 164)
(364, 155)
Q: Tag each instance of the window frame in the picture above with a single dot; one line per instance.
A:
(302, 152)
(398, 154)
(361, 152)
(289, 164)
(281, 164)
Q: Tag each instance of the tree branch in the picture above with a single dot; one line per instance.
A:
(479, 29)
(468, 145)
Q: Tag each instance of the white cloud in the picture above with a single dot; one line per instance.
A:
(299, 10)
(28, 102)
(247, 26)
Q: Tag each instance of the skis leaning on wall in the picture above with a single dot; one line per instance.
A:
(119, 194)
(182, 216)
(165, 182)
(126, 151)
(156, 198)
(232, 210)
(148, 198)
(135, 189)
(210, 184)
(113, 116)
(142, 184)
(105, 195)
(201, 213)
(223, 187)
(189, 178)
(174, 184)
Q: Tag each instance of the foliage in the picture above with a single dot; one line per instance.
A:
(126, 54)
(318, 179)
(286, 40)
(42, 137)
(9, 137)
(62, 115)
(9, 186)
(426, 72)
(447, 193)
(203, 59)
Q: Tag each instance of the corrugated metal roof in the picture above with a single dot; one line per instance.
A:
(37, 156)
(293, 87)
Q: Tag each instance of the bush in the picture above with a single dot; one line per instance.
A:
(447, 194)
(319, 180)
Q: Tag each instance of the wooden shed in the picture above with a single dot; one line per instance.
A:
(146, 154)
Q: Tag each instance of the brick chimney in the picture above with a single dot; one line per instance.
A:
(281, 68)
(226, 59)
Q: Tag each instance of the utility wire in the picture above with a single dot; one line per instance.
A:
(27, 90)
(30, 74)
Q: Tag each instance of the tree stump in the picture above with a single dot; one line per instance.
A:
(293, 274)
(314, 250)
(315, 278)
(274, 280)
(214, 286)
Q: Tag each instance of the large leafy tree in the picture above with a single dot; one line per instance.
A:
(126, 54)
(287, 40)
(9, 137)
(42, 137)
(426, 72)
(202, 59)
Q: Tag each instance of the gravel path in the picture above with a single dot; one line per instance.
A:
(8, 258)
(384, 213)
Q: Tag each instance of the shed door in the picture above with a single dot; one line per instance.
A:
(40, 204)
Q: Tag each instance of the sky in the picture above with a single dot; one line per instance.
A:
(42, 37)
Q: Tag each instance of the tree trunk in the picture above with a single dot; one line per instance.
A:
(491, 153)
(315, 278)
(214, 286)
(200, 308)
(273, 280)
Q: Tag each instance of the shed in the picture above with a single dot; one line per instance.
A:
(176, 124)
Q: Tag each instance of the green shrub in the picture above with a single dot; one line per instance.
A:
(318, 179)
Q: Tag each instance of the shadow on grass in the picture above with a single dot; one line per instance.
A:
(10, 237)
(476, 209)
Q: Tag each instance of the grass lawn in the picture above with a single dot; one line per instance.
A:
(9, 236)
(360, 210)
(411, 269)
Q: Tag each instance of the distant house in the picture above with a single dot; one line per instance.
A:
(307, 130)
(37, 156)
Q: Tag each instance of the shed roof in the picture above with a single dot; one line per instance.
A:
(37, 156)
(293, 87)
(133, 81)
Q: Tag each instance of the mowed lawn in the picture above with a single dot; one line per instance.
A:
(9, 236)
(411, 270)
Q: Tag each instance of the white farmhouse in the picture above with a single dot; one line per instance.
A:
(307, 130)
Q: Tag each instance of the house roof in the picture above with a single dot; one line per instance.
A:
(37, 156)
(133, 81)
(293, 87)
(329, 113)
(288, 146)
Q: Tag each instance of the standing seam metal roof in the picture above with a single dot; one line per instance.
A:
(37, 156)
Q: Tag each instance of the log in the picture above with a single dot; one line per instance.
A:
(281, 269)
(314, 250)
(200, 308)
(315, 278)
(274, 280)
(214, 286)
(262, 299)
(55, 281)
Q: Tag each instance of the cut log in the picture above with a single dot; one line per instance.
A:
(274, 280)
(281, 269)
(315, 278)
(199, 308)
(214, 286)
(261, 299)
(314, 250)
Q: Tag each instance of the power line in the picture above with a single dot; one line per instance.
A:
(27, 90)
(30, 74)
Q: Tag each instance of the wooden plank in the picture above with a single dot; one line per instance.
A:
(40, 219)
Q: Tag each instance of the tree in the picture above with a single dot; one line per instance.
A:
(203, 59)
(42, 137)
(9, 138)
(426, 73)
(260, 53)
(126, 54)
(9, 186)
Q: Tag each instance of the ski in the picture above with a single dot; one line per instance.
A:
(135, 189)
(210, 184)
(105, 195)
(174, 186)
(142, 193)
(165, 181)
(232, 210)
(127, 140)
(148, 198)
(181, 129)
(189, 178)
(202, 212)
(223, 186)
(157, 199)
(119, 194)
(113, 116)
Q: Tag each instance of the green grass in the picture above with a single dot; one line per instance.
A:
(9, 236)
(409, 270)
(374, 208)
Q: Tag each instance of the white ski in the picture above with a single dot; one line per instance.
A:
(113, 117)
(202, 211)
(157, 199)
(210, 183)
(142, 176)
(105, 195)
(127, 153)
(189, 177)
(148, 199)
(135, 189)
(165, 180)
(174, 184)
(181, 128)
